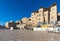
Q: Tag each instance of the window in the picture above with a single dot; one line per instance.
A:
(52, 22)
(51, 17)
(32, 21)
(53, 8)
(39, 14)
(29, 20)
(39, 19)
(44, 14)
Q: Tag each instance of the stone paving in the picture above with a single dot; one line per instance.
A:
(27, 35)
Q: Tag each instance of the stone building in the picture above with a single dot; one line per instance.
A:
(53, 14)
(48, 16)
(10, 24)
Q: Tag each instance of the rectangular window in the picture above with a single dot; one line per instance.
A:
(39, 14)
(39, 19)
(51, 17)
(44, 14)
(53, 8)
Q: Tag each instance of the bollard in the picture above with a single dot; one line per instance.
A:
(11, 28)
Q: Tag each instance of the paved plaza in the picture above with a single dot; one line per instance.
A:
(27, 35)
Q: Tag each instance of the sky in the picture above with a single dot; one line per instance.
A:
(18, 9)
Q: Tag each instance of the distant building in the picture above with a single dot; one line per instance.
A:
(43, 16)
(7, 24)
(10, 24)
(18, 23)
(24, 20)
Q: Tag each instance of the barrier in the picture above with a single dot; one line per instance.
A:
(39, 29)
(47, 29)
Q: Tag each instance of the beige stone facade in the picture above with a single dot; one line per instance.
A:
(24, 20)
(34, 19)
(53, 13)
(46, 17)
(43, 16)
(40, 17)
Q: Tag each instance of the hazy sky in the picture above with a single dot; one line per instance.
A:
(17, 9)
